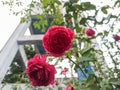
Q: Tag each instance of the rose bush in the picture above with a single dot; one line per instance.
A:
(39, 72)
(57, 40)
(98, 51)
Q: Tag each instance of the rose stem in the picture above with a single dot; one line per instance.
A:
(77, 65)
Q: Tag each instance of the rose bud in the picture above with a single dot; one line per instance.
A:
(90, 32)
(64, 71)
(116, 37)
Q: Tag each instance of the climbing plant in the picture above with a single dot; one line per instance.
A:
(95, 45)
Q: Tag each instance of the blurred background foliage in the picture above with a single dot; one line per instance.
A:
(16, 72)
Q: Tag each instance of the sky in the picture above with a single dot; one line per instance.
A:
(8, 23)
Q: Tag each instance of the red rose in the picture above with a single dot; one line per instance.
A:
(39, 72)
(57, 40)
(116, 37)
(64, 71)
(69, 87)
(90, 32)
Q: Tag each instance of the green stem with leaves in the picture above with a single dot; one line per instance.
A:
(77, 66)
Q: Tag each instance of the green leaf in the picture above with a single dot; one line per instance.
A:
(36, 25)
(43, 29)
(85, 51)
(104, 10)
(68, 53)
(32, 5)
(100, 34)
(22, 20)
(68, 16)
(75, 15)
(88, 58)
(58, 2)
(114, 81)
(91, 88)
(117, 2)
(87, 55)
(74, 1)
(111, 44)
(43, 22)
(78, 29)
(45, 2)
(87, 6)
(38, 16)
(106, 33)
(66, 4)
(107, 87)
(83, 21)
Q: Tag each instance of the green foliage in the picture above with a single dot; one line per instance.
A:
(30, 52)
(87, 6)
(17, 74)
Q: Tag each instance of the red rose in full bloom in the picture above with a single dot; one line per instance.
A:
(69, 87)
(116, 37)
(57, 40)
(39, 72)
(90, 32)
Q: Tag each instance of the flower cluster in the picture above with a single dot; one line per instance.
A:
(56, 42)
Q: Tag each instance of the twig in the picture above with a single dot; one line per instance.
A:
(77, 65)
